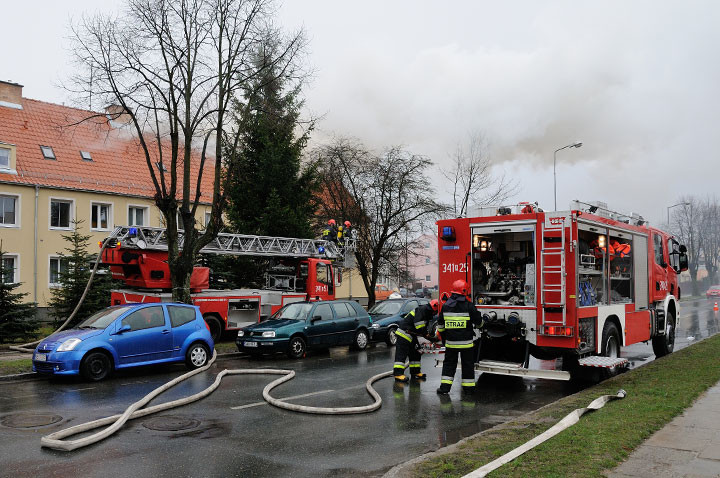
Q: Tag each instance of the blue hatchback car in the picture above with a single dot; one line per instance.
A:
(127, 336)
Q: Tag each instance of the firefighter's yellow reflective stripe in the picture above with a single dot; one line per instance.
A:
(402, 334)
(446, 378)
(414, 364)
(468, 384)
(399, 365)
(441, 329)
(455, 314)
(447, 382)
(459, 344)
(420, 325)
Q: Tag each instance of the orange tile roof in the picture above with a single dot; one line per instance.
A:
(118, 163)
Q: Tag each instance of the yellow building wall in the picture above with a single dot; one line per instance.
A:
(352, 287)
(20, 240)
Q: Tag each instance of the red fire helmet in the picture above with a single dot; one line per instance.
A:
(460, 287)
(331, 222)
(434, 304)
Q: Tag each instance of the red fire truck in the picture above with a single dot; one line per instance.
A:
(576, 284)
(304, 270)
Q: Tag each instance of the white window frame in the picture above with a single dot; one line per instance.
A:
(428, 278)
(70, 219)
(53, 285)
(16, 272)
(110, 222)
(207, 217)
(9, 164)
(17, 209)
(146, 214)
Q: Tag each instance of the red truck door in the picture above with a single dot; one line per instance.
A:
(659, 283)
(320, 283)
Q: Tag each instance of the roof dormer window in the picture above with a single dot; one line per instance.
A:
(85, 156)
(48, 152)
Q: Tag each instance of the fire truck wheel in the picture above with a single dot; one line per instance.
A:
(215, 327)
(664, 344)
(95, 366)
(296, 347)
(391, 338)
(361, 340)
(197, 356)
(610, 345)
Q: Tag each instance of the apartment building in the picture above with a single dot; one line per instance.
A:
(58, 164)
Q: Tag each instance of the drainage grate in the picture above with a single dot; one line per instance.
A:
(170, 423)
(29, 420)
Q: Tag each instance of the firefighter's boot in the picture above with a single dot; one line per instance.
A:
(401, 378)
(443, 390)
(419, 376)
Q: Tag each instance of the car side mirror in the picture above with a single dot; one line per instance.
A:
(663, 264)
(683, 262)
(682, 249)
(123, 329)
(315, 319)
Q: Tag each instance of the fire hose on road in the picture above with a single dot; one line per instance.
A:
(115, 422)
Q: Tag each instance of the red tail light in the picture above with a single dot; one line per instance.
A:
(557, 330)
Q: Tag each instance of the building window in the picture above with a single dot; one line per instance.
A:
(85, 155)
(58, 266)
(427, 260)
(207, 218)
(137, 216)
(427, 278)
(4, 158)
(100, 216)
(47, 152)
(10, 271)
(60, 214)
(8, 211)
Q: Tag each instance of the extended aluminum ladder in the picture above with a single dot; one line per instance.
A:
(155, 238)
(553, 274)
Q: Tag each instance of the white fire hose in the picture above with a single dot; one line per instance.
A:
(571, 419)
(115, 422)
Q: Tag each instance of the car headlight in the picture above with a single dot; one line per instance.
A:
(241, 333)
(269, 333)
(375, 326)
(68, 345)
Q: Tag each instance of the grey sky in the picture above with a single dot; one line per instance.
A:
(637, 82)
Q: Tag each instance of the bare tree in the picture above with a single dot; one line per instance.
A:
(710, 233)
(687, 225)
(472, 179)
(175, 67)
(388, 197)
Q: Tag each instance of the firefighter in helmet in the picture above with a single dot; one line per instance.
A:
(457, 318)
(344, 232)
(415, 323)
(330, 232)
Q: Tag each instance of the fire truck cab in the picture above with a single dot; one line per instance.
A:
(577, 284)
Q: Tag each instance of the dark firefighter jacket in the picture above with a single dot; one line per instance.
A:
(456, 321)
(416, 322)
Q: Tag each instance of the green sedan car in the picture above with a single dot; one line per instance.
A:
(302, 325)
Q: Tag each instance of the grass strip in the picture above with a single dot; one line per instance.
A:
(226, 347)
(12, 367)
(657, 392)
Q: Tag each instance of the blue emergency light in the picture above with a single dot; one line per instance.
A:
(321, 249)
(132, 231)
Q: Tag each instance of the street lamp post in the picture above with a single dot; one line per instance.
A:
(576, 144)
(670, 207)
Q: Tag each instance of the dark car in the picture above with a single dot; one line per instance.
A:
(386, 316)
(713, 291)
(127, 336)
(302, 325)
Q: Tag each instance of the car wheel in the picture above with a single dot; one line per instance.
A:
(197, 356)
(391, 338)
(215, 327)
(297, 347)
(610, 346)
(361, 340)
(665, 344)
(96, 366)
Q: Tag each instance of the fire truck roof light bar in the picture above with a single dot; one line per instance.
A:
(154, 238)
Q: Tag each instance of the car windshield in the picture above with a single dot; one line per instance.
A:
(386, 307)
(293, 311)
(102, 319)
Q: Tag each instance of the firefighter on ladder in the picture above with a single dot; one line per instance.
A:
(330, 232)
(415, 323)
(456, 323)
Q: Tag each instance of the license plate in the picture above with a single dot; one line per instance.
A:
(41, 357)
(251, 344)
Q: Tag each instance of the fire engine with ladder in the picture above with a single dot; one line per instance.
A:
(305, 269)
(577, 285)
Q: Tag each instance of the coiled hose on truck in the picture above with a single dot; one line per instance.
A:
(115, 422)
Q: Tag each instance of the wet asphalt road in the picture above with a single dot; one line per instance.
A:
(234, 433)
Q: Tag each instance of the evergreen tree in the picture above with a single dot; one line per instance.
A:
(271, 192)
(17, 319)
(74, 276)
